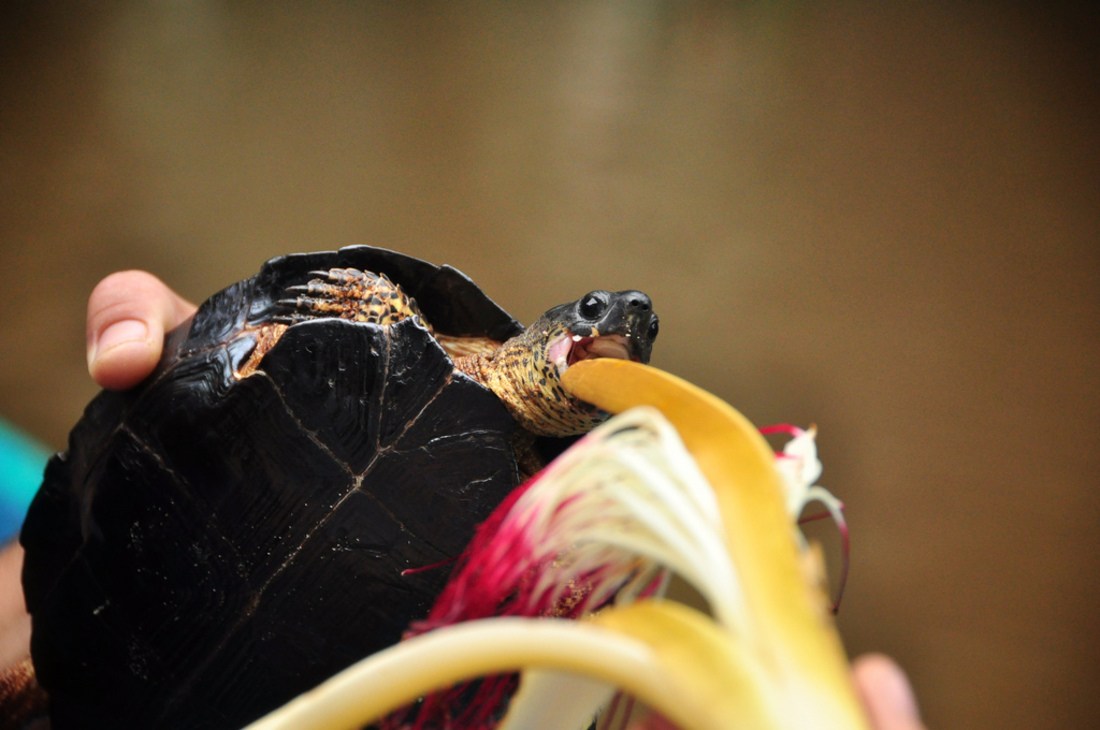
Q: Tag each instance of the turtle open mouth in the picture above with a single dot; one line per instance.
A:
(586, 348)
(571, 349)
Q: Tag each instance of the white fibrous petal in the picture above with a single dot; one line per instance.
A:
(625, 503)
(799, 468)
(797, 464)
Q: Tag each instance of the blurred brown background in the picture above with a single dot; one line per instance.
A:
(882, 220)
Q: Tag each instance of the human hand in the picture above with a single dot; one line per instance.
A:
(883, 690)
(885, 693)
(15, 624)
(128, 314)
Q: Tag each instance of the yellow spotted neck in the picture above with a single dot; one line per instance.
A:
(527, 383)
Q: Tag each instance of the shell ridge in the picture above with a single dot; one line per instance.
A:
(431, 361)
(378, 398)
(392, 446)
(448, 438)
(311, 434)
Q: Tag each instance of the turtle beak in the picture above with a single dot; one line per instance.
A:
(628, 322)
(602, 324)
(766, 656)
(617, 325)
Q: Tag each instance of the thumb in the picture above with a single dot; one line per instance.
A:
(128, 314)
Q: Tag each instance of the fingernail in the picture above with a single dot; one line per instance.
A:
(119, 333)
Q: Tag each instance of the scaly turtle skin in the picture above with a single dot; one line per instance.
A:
(282, 496)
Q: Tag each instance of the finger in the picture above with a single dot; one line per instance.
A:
(886, 693)
(128, 314)
(15, 624)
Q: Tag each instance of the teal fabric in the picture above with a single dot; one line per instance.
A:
(22, 461)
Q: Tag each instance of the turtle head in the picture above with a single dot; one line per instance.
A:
(599, 324)
(526, 372)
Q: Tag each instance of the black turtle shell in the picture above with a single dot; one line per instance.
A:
(209, 548)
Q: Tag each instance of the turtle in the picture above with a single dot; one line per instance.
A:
(286, 492)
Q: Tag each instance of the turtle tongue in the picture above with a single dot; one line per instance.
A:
(569, 350)
(609, 346)
(586, 348)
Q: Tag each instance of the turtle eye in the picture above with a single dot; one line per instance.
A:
(654, 326)
(592, 305)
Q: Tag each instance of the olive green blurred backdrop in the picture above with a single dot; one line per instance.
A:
(882, 219)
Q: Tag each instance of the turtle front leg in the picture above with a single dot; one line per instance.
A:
(360, 296)
(351, 294)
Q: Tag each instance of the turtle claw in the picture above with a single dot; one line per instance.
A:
(295, 303)
(308, 307)
(289, 312)
(346, 293)
(331, 291)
